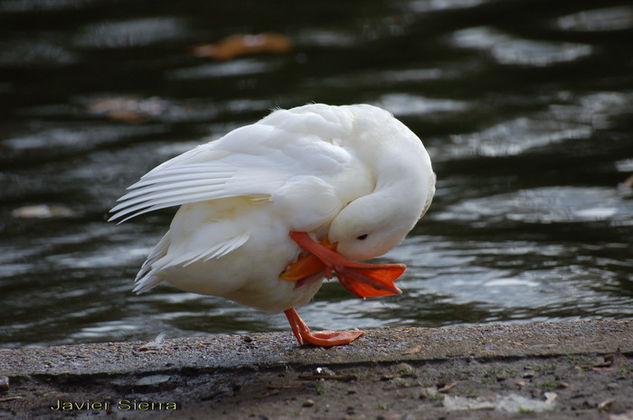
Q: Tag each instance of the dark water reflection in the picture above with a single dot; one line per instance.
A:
(525, 106)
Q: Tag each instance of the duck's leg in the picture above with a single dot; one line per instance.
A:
(321, 338)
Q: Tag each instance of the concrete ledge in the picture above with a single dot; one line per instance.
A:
(270, 349)
(566, 369)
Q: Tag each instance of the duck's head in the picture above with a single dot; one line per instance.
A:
(372, 224)
(366, 229)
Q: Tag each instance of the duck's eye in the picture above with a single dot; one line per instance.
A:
(362, 237)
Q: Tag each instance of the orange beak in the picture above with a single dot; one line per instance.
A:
(360, 279)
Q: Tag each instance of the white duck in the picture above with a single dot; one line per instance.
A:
(270, 209)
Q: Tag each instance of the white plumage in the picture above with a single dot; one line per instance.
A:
(339, 172)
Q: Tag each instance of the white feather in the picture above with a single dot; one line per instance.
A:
(253, 160)
(215, 251)
(328, 170)
(144, 280)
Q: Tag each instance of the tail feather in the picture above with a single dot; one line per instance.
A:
(147, 278)
(149, 275)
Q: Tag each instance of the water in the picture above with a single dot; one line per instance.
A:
(526, 108)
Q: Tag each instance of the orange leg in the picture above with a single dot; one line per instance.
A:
(321, 338)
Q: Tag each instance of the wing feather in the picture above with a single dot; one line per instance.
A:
(255, 160)
(148, 278)
(216, 251)
(145, 279)
(165, 187)
(152, 205)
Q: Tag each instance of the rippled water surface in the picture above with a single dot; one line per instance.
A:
(526, 108)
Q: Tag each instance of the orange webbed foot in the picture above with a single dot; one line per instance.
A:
(359, 278)
(321, 338)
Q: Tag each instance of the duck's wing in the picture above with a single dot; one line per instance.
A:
(255, 160)
(148, 277)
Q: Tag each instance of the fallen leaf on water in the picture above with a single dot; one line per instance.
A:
(237, 45)
(132, 109)
(41, 211)
(127, 116)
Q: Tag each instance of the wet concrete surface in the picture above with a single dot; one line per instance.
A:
(559, 370)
